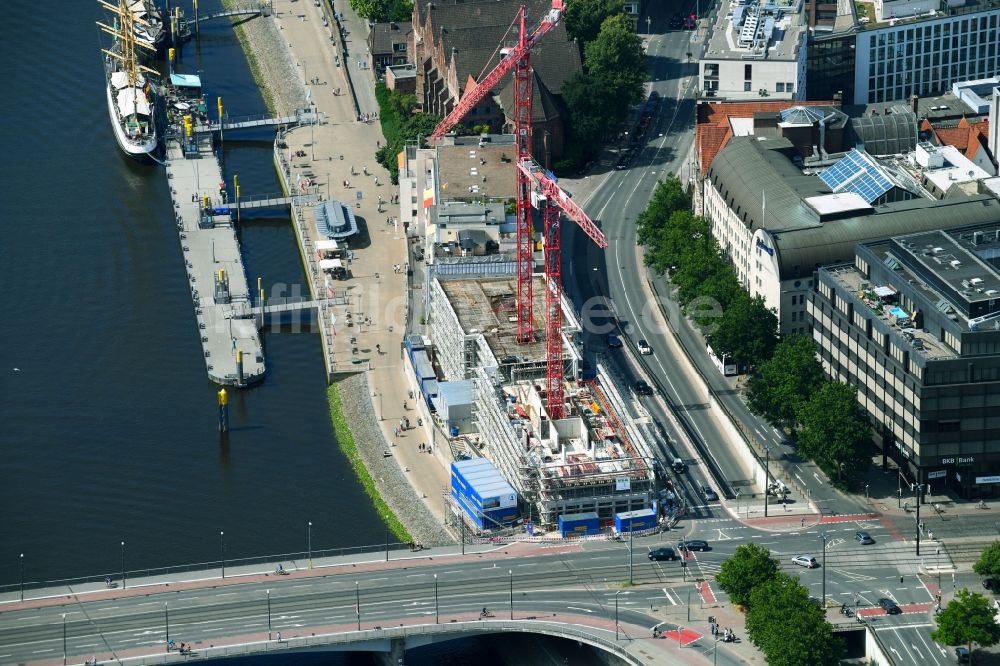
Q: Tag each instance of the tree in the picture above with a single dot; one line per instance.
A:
(668, 198)
(966, 620)
(988, 564)
(784, 382)
(584, 17)
(788, 627)
(381, 11)
(747, 330)
(749, 567)
(614, 61)
(401, 123)
(834, 430)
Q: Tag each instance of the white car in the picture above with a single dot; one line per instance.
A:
(644, 348)
(805, 561)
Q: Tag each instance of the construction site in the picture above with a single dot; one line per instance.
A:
(595, 458)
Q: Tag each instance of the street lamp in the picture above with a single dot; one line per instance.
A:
(22, 576)
(648, 21)
(64, 638)
(166, 623)
(357, 602)
(631, 534)
(767, 473)
(824, 537)
(123, 565)
(268, 614)
(310, 544)
(437, 617)
(386, 537)
(715, 651)
(222, 552)
(616, 613)
(919, 487)
(510, 572)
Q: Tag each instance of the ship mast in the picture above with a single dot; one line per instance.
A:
(124, 34)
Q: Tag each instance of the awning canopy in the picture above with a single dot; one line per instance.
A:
(185, 80)
(119, 80)
(327, 245)
(330, 264)
(884, 292)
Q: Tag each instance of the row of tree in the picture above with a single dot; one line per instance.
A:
(787, 386)
(401, 123)
(612, 79)
(789, 627)
(969, 619)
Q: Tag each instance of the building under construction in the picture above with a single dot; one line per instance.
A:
(596, 458)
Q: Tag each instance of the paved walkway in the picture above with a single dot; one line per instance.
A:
(340, 160)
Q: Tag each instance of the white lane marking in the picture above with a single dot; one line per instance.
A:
(669, 598)
(585, 610)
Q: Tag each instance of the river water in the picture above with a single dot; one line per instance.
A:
(108, 423)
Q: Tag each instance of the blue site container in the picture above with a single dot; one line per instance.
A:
(483, 493)
(627, 521)
(577, 524)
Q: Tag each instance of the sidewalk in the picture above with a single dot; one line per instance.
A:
(340, 161)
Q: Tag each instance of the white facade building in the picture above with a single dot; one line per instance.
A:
(756, 50)
(927, 54)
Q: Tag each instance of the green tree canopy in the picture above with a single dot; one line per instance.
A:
(788, 627)
(783, 383)
(835, 431)
(381, 11)
(967, 619)
(749, 567)
(400, 123)
(615, 61)
(584, 17)
(988, 563)
(668, 198)
(747, 331)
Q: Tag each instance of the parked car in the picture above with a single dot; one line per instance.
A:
(662, 554)
(707, 492)
(991, 584)
(644, 348)
(962, 655)
(864, 538)
(889, 606)
(694, 544)
(614, 341)
(642, 388)
(805, 561)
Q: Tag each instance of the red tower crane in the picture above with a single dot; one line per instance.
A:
(530, 176)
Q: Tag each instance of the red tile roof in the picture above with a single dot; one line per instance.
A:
(713, 130)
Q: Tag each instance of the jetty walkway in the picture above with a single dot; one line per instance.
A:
(230, 340)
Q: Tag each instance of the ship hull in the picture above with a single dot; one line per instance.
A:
(141, 151)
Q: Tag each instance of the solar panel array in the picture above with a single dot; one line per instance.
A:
(857, 173)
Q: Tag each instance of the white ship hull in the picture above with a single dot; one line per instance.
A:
(140, 148)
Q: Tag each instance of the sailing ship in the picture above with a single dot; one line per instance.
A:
(148, 25)
(129, 92)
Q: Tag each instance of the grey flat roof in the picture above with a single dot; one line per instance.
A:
(786, 35)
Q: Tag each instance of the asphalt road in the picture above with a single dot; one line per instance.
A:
(583, 582)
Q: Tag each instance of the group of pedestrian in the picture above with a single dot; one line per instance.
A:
(727, 634)
(368, 117)
(347, 184)
(400, 268)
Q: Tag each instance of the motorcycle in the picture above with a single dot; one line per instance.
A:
(846, 611)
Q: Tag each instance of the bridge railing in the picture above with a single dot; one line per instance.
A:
(377, 639)
(291, 561)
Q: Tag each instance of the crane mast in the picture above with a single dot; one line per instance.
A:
(532, 179)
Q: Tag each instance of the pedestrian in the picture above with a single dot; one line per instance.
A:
(802, 522)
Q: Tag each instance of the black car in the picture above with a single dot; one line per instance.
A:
(991, 584)
(614, 341)
(676, 22)
(642, 388)
(662, 554)
(962, 655)
(623, 162)
(695, 544)
(889, 606)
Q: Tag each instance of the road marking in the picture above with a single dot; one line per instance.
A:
(669, 598)
(801, 480)
(585, 610)
(41, 651)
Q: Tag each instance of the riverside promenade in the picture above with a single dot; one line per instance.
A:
(364, 323)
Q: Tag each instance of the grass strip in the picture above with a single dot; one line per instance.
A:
(345, 439)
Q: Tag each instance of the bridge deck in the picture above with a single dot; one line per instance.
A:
(209, 244)
(273, 202)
